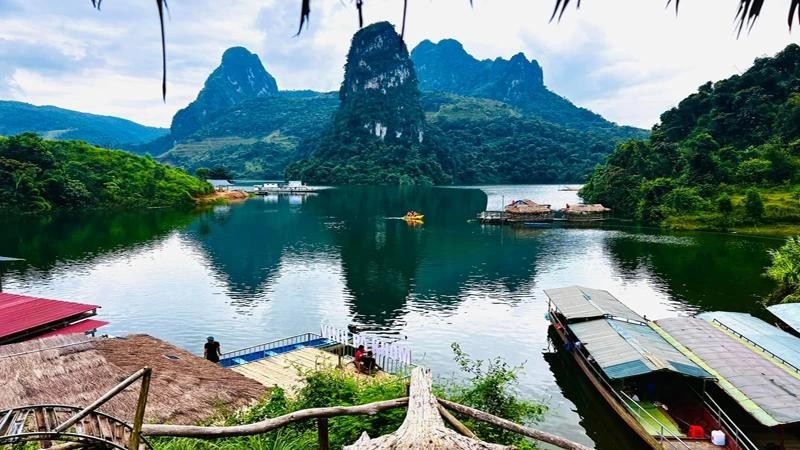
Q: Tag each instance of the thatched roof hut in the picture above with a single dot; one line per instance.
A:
(76, 370)
(527, 207)
(581, 208)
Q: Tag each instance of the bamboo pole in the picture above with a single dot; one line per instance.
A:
(100, 401)
(141, 404)
(455, 423)
(511, 426)
(271, 424)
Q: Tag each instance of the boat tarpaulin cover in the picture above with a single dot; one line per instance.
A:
(625, 349)
(577, 302)
(789, 313)
(764, 388)
(770, 338)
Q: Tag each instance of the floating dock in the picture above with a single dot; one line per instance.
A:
(286, 362)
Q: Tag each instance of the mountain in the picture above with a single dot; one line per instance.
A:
(378, 134)
(57, 123)
(484, 141)
(731, 144)
(447, 67)
(257, 138)
(239, 77)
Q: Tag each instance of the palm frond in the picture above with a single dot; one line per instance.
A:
(795, 6)
(305, 12)
(749, 11)
(561, 6)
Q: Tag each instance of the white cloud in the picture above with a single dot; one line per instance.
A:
(629, 61)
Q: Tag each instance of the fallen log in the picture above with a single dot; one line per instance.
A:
(423, 426)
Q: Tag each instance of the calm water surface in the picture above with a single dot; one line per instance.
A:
(272, 267)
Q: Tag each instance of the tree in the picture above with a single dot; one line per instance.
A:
(724, 204)
(753, 205)
(203, 173)
(785, 266)
(219, 173)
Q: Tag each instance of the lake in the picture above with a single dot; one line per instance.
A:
(277, 266)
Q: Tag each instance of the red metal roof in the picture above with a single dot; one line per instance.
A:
(78, 327)
(19, 313)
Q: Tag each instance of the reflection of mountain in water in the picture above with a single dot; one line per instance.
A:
(691, 267)
(386, 262)
(58, 239)
(244, 243)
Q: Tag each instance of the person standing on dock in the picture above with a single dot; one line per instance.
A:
(211, 350)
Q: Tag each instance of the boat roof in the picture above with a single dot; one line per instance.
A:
(625, 349)
(772, 339)
(578, 302)
(763, 387)
(789, 313)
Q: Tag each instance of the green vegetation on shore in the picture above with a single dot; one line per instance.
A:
(785, 272)
(489, 386)
(726, 157)
(38, 175)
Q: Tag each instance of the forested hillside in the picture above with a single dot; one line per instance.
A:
(486, 141)
(727, 154)
(38, 175)
(257, 138)
(58, 123)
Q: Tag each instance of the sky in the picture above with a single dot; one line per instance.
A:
(627, 60)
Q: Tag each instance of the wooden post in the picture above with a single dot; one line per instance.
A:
(100, 401)
(322, 433)
(140, 407)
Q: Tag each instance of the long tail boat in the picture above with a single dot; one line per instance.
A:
(658, 392)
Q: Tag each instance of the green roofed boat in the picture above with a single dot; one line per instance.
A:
(654, 388)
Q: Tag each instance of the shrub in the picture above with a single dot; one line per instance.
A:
(753, 205)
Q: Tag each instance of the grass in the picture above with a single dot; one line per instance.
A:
(781, 218)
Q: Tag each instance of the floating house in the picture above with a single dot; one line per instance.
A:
(220, 185)
(290, 187)
(23, 317)
(584, 212)
(76, 370)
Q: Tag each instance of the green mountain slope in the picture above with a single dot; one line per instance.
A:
(57, 123)
(486, 141)
(736, 134)
(447, 67)
(38, 175)
(257, 138)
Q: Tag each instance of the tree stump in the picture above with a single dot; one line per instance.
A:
(423, 426)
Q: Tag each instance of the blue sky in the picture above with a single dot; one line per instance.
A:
(628, 61)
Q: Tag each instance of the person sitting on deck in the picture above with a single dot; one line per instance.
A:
(364, 361)
(211, 351)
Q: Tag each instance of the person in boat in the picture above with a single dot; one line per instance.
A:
(211, 351)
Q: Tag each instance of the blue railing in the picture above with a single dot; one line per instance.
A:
(249, 354)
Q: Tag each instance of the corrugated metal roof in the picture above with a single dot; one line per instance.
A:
(19, 313)
(78, 327)
(218, 183)
(624, 349)
(769, 337)
(789, 313)
(762, 387)
(577, 302)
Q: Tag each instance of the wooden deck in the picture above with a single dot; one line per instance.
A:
(287, 370)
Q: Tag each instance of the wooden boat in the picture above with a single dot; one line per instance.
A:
(643, 379)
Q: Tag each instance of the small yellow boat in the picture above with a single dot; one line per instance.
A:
(413, 217)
